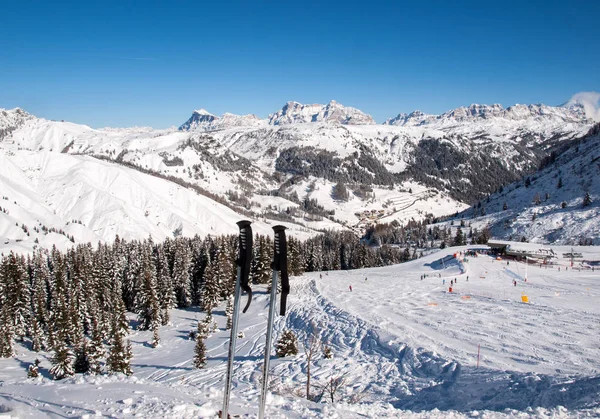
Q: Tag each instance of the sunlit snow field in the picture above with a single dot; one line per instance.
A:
(406, 347)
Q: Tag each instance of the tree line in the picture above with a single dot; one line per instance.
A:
(74, 304)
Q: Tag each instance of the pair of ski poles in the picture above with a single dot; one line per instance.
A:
(243, 272)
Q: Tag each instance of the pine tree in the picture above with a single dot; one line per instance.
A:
(287, 344)
(155, 337)
(458, 239)
(62, 361)
(560, 183)
(82, 360)
(120, 354)
(327, 353)
(96, 350)
(146, 299)
(182, 264)
(210, 292)
(587, 200)
(16, 294)
(229, 313)
(6, 333)
(200, 349)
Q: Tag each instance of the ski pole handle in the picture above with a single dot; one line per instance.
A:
(280, 264)
(245, 257)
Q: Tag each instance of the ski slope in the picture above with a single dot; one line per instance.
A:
(405, 346)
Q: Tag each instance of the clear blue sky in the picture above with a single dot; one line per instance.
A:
(119, 63)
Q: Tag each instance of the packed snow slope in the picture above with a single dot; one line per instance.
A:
(405, 347)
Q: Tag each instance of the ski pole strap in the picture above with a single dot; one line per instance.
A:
(280, 264)
(244, 258)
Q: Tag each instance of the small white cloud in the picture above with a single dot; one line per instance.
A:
(590, 102)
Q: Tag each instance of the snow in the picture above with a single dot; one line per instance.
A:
(407, 347)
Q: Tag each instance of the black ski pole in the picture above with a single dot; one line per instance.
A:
(243, 272)
(279, 264)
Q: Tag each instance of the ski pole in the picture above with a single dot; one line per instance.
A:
(243, 271)
(279, 264)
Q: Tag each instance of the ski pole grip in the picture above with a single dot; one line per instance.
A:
(244, 258)
(280, 263)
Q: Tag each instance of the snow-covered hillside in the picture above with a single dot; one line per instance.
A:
(49, 198)
(276, 168)
(404, 347)
(548, 207)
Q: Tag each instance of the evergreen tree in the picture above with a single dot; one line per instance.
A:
(182, 264)
(82, 360)
(96, 349)
(120, 354)
(587, 200)
(229, 313)
(6, 333)
(560, 183)
(62, 361)
(287, 344)
(211, 290)
(459, 239)
(200, 349)
(147, 305)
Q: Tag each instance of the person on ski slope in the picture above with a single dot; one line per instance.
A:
(350, 288)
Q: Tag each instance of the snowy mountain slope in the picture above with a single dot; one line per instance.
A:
(464, 156)
(91, 200)
(406, 348)
(547, 207)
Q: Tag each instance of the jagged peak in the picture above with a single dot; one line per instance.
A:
(203, 111)
(295, 112)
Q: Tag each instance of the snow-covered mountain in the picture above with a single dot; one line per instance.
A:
(202, 120)
(400, 170)
(548, 206)
(486, 115)
(294, 112)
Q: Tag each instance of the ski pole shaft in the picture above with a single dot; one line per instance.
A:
(269, 342)
(232, 343)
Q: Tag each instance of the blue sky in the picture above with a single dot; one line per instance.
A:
(118, 63)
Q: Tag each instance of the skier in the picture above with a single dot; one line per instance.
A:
(443, 282)
(350, 288)
(467, 278)
(515, 282)
(451, 282)
(320, 276)
(365, 279)
(455, 280)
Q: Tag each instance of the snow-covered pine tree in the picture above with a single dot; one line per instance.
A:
(287, 344)
(6, 333)
(120, 354)
(229, 313)
(165, 290)
(16, 293)
(587, 200)
(82, 360)
(146, 300)
(62, 360)
(226, 268)
(211, 290)
(202, 332)
(182, 264)
(96, 350)
(155, 337)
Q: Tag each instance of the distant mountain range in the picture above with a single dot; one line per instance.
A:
(284, 167)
